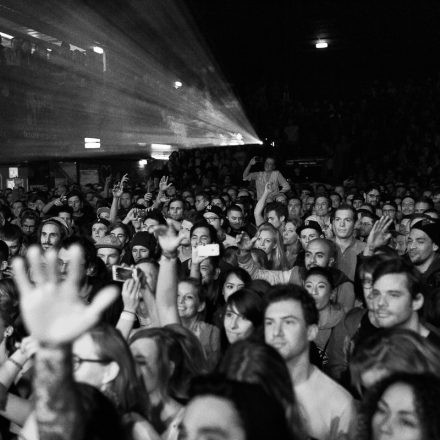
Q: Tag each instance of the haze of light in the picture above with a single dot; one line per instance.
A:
(161, 84)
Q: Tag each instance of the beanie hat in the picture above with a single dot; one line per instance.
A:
(144, 239)
(431, 229)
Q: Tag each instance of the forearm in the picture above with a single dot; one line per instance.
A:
(259, 208)
(125, 323)
(48, 206)
(10, 369)
(57, 408)
(166, 292)
(17, 409)
(246, 171)
(195, 271)
(114, 209)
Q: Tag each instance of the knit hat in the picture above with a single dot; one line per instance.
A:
(108, 242)
(431, 229)
(144, 239)
(309, 224)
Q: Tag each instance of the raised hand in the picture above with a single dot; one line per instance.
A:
(124, 180)
(253, 161)
(268, 188)
(131, 294)
(117, 190)
(163, 184)
(52, 310)
(148, 197)
(168, 239)
(244, 243)
(379, 234)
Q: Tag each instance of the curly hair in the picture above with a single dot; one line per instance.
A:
(425, 388)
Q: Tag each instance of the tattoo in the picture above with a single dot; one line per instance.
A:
(57, 408)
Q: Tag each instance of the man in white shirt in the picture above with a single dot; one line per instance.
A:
(290, 324)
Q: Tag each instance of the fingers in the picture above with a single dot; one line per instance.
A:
(52, 271)
(35, 260)
(102, 300)
(76, 268)
(20, 276)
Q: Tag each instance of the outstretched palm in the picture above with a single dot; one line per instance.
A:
(53, 311)
(168, 239)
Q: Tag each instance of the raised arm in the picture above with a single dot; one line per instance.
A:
(55, 316)
(247, 170)
(246, 262)
(163, 186)
(259, 207)
(378, 236)
(106, 191)
(130, 298)
(166, 290)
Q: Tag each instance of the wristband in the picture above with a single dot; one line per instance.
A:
(169, 255)
(17, 364)
(128, 316)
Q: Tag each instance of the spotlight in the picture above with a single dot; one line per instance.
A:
(7, 36)
(177, 84)
(160, 147)
(92, 143)
(321, 45)
(99, 50)
(142, 163)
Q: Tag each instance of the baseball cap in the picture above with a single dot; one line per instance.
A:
(108, 242)
(215, 210)
(309, 224)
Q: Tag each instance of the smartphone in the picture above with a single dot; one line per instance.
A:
(209, 250)
(121, 273)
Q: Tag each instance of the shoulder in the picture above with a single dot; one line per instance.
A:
(328, 388)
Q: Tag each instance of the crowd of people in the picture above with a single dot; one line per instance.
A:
(181, 308)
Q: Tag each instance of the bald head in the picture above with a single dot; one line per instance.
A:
(320, 252)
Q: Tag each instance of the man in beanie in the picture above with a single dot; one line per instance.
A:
(109, 250)
(143, 245)
(423, 245)
(214, 216)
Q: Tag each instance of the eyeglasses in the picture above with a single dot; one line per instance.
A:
(77, 361)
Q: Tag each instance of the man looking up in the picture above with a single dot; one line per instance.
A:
(348, 247)
(290, 325)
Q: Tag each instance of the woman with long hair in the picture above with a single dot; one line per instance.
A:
(403, 406)
(234, 410)
(392, 351)
(255, 362)
(166, 371)
(269, 239)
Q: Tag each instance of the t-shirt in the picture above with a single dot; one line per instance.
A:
(327, 409)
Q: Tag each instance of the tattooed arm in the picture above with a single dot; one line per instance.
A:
(55, 316)
(57, 408)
